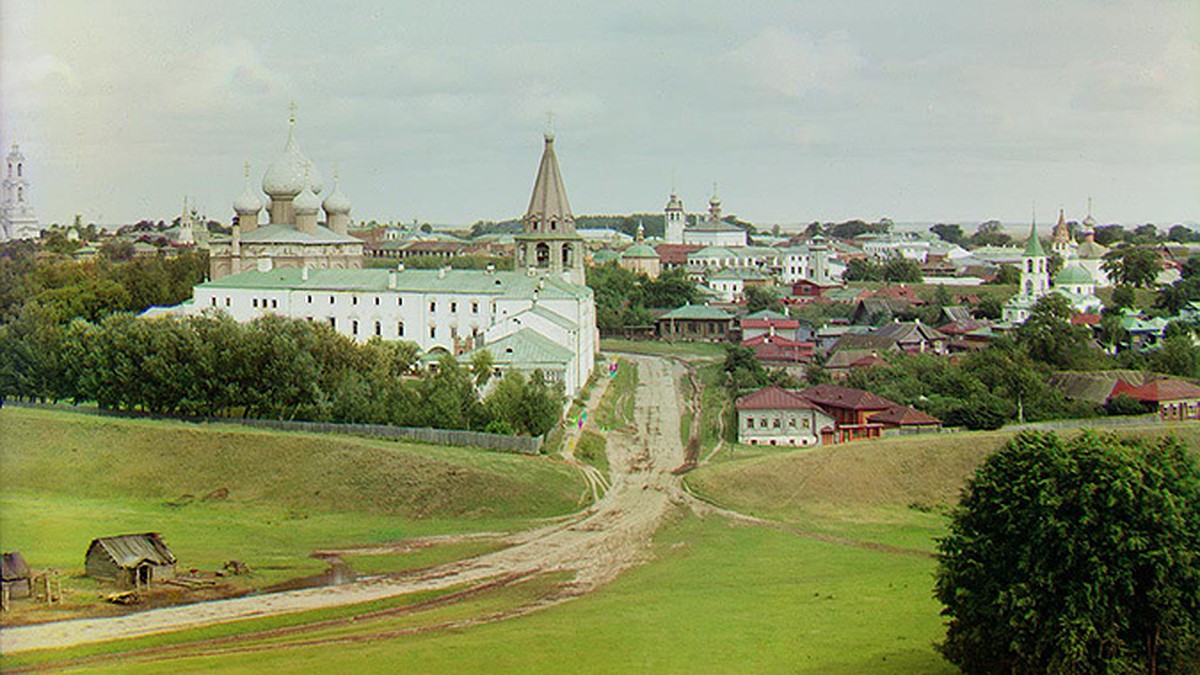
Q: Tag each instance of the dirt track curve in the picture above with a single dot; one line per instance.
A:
(596, 544)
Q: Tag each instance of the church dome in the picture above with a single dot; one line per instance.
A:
(336, 202)
(640, 251)
(249, 203)
(674, 203)
(306, 203)
(286, 175)
(1074, 275)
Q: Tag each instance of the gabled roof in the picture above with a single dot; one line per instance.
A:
(955, 313)
(525, 347)
(676, 254)
(768, 314)
(14, 567)
(833, 396)
(1168, 389)
(690, 311)
(780, 323)
(903, 416)
(908, 331)
(777, 339)
(854, 358)
(131, 550)
(774, 398)
(869, 341)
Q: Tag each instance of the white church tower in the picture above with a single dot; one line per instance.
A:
(17, 220)
(675, 220)
(1035, 280)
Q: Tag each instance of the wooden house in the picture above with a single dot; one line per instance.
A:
(17, 581)
(697, 322)
(130, 560)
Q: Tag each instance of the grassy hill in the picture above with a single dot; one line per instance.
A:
(221, 492)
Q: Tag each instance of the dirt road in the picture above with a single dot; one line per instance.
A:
(596, 544)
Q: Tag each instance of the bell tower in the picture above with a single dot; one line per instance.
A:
(548, 242)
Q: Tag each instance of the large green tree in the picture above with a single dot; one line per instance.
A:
(1137, 266)
(1075, 556)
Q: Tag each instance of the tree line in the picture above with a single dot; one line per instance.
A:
(272, 367)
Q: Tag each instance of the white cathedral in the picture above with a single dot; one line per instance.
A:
(709, 231)
(17, 220)
(540, 316)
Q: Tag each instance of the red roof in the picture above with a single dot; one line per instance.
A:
(899, 293)
(675, 254)
(1157, 391)
(833, 396)
(774, 398)
(903, 416)
(1085, 319)
(778, 340)
(767, 323)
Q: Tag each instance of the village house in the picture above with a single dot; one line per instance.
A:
(130, 560)
(697, 323)
(914, 337)
(16, 579)
(1174, 400)
(774, 416)
(850, 409)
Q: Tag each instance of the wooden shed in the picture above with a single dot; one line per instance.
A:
(131, 560)
(17, 581)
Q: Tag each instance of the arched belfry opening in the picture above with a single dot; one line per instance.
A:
(548, 240)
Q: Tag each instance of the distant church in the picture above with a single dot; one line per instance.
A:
(1074, 282)
(712, 230)
(292, 238)
(17, 220)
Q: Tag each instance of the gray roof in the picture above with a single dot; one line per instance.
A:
(130, 550)
(524, 348)
(549, 198)
(14, 567)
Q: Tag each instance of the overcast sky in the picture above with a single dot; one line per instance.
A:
(945, 110)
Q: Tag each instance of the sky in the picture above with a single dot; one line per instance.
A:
(923, 110)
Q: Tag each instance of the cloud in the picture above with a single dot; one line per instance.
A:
(793, 65)
(224, 76)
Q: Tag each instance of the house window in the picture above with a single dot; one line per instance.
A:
(274, 303)
(377, 301)
(213, 301)
(792, 423)
(474, 307)
(331, 299)
(806, 423)
(378, 328)
(399, 302)
(399, 329)
(254, 302)
(776, 424)
(354, 300)
(749, 422)
(762, 424)
(310, 299)
(333, 322)
(354, 327)
(433, 306)
(453, 307)
(226, 301)
(433, 332)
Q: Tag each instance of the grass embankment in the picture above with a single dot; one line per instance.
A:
(616, 407)
(592, 448)
(893, 491)
(69, 478)
(655, 348)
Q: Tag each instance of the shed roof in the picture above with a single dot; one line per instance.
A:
(14, 567)
(130, 550)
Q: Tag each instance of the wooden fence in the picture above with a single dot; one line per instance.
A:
(525, 445)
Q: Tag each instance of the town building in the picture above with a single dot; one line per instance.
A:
(640, 257)
(697, 323)
(548, 242)
(1173, 399)
(713, 230)
(774, 416)
(292, 237)
(1035, 280)
(17, 219)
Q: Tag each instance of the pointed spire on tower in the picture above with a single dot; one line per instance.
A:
(548, 205)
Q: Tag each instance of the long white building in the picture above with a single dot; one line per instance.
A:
(541, 317)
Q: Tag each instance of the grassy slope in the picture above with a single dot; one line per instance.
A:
(69, 478)
(719, 598)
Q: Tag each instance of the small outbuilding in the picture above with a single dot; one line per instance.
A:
(17, 581)
(130, 560)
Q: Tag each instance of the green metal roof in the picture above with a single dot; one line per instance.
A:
(525, 348)
(1073, 275)
(697, 312)
(286, 234)
(416, 281)
(1033, 247)
(601, 257)
(640, 251)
